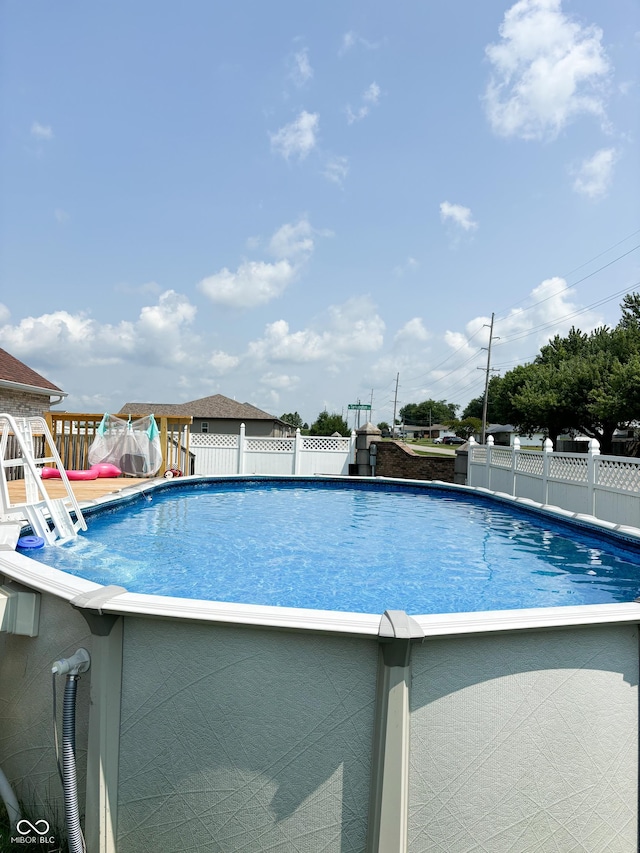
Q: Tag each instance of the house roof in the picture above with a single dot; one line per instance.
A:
(15, 373)
(216, 406)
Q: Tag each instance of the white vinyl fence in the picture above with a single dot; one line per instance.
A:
(607, 487)
(306, 455)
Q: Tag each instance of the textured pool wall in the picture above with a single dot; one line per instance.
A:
(239, 738)
(525, 742)
(27, 751)
(244, 739)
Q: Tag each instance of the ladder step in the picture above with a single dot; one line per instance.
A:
(50, 519)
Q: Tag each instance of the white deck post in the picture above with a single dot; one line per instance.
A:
(297, 448)
(472, 444)
(490, 443)
(594, 451)
(547, 448)
(241, 449)
(515, 453)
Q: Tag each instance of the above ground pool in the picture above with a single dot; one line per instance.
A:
(362, 547)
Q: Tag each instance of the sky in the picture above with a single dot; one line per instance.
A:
(308, 205)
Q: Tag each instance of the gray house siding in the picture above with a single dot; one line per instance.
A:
(230, 426)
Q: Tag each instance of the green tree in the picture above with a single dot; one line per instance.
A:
(383, 426)
(467, 427)
(474, 407)
(429, 412)
(579, 383)
(292, 418)
(530, 397)
(326, 424)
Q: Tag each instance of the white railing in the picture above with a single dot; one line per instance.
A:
(607, 487)
(307, 455)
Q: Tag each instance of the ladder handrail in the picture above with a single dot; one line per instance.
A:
(23, 430)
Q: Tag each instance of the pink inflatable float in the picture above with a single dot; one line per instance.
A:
(103, 469)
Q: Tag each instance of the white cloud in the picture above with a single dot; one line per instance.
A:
(223, 362)
(280, 381)
(370, 98)
(351, 40)
(413, 330)
(336, 170)
(547, 69)
(353, 327)
(4, 313)
(594, 175)
(519, 335)
(258, 282)
(458, 214)
(301, 70)
(292, 241)
(253, 283)
(61, 216)
(160, 336)
(41, 131)
(298, 138)
(371, 94)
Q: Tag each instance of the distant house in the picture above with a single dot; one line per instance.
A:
(413, 431)
(216, 414)
(23, 392)
(504, 434)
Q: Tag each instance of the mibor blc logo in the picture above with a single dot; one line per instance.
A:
(33, 833)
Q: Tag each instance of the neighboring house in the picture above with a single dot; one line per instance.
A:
(421, 431)
(216, 414)
(503, 435)
(438, 431)
(23, 392)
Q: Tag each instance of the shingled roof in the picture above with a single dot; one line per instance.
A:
(216, 406)
(15, 373)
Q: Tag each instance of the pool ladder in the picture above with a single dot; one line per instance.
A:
(55, 520)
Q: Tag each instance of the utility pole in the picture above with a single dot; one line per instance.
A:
(395, 406)
(486, 384)
(371, 409)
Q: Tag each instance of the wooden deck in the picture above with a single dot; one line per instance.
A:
(84, 490)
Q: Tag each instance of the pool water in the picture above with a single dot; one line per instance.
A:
(347, 547)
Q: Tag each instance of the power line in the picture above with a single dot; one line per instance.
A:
(536, 329)
(557, 320)
(575, 269)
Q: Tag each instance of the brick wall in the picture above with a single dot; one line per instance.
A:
(397, 460)
(21, 404)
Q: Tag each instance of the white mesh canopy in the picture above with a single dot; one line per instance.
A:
(132, 445)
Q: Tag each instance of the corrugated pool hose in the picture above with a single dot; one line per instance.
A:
(71, 667)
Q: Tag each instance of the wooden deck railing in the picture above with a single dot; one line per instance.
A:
(74, 433)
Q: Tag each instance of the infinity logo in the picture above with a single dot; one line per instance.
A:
(32, 827)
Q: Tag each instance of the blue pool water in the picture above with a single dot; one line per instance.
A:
(349, 547)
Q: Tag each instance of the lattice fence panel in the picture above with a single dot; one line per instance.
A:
(321, 442)
(478, 454)
(501, 457)
(211, 439)
(530, 463)
(269, 445)
(569, 468)
(616, 474)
